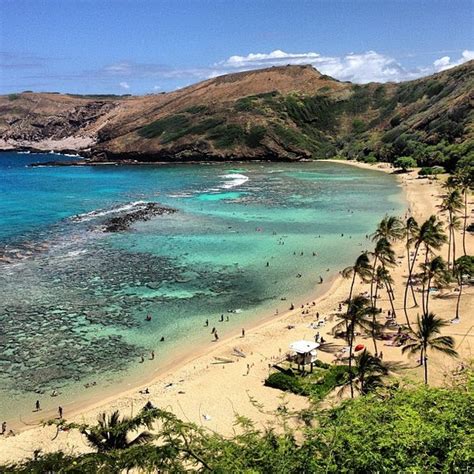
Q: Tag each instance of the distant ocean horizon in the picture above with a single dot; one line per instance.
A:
(246, 240)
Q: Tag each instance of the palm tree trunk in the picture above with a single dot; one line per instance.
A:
(428, 294)
(426, 367)
(372, 282)
(349, 303)
(454, 247)
(409, 285)
(449, 241)
(351, 381)
(459, 297)
(408, 264)
(423, 306)
(466, 190)
(374, 320)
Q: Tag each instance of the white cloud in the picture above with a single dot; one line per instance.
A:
(364, 67)
(445, 62)
(369, 66)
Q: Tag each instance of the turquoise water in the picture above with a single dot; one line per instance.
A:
(75, 299)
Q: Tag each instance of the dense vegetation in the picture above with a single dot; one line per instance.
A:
(398, 430)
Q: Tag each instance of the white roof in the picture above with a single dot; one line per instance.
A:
(303, 347)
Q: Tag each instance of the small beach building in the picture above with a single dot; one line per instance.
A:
(305, 353)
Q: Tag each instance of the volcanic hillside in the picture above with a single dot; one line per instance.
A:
(280, 113)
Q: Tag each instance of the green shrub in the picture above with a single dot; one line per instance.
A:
(225, 136)
(431, 170)
(358, 126)
(286, 382)
(405, 163)
(255, 136)
(196, 109)
(333, 377)
(172, 124)
(13, 96)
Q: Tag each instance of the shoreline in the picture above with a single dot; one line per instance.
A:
(196, 373)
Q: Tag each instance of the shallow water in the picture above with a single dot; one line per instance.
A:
(75, 299)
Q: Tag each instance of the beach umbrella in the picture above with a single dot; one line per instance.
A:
(359, 347)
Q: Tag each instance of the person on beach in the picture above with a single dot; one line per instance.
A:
(243, 332)
(227, 318)
(292, 307)
(216, 336)
(142, 359)
(206, 324)
(152, 355)
(320, 279)
(4, 427)
(60, 412)
(213, 330)
(222, 318)
(268, 264)
(37, 405)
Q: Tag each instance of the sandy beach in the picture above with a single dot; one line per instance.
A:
(203, 390)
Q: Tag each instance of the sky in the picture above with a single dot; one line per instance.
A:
(151, 46)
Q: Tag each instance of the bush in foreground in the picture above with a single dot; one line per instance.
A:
(398, 430)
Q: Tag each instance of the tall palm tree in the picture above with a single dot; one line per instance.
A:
(452, 203)
(432, 237)
(112, 432)
(435, 271)
(411, 234)
(463, 268)
(361, 269)
(426, 336)
(463, 179)
(384, 254)
(389, 228)
(359, 316)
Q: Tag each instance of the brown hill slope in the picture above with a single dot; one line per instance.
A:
(289, 112)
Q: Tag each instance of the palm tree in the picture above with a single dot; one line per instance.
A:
(359, 316)
(112, 432)
(369, 372)
(434, 271)
(464, 180)
(426, 337)
(431, 236)
(411, 234)
(463, 268)
(384, 254)
(362, 269)
(389, 228)
(452, 203)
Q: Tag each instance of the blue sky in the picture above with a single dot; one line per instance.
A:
(143, 46)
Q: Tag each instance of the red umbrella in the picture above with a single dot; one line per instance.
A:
(359, 347)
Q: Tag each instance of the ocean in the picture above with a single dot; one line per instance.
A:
(246, 241)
